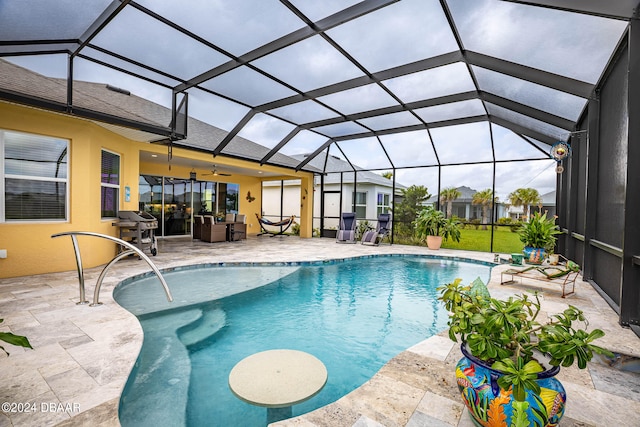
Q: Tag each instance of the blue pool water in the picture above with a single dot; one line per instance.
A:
(353, 315)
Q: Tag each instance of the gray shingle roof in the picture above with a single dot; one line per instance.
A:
(466, 195)
(97, 97)
(334, 165)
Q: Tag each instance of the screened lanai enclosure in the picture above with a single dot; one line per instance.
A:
(439, 93)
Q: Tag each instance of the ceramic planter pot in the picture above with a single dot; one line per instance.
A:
(434, 242)
(489, 405)
(534, 255)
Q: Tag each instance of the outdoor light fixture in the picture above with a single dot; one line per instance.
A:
(192, 175)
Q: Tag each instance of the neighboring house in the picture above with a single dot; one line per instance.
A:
(548, 205)
(373, 194)
(65, 173)
(463, 207)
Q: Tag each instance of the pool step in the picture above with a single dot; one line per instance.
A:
(201, 331)
(161, 373)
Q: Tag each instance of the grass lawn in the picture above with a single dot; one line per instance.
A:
(504, 241)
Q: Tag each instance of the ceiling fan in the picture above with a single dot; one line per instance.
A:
(214, 172)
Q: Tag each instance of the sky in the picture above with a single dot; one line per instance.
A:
(573, 45)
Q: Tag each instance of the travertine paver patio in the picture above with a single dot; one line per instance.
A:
(82, 355)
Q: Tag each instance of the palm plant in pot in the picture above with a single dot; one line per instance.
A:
(511, 357)
(539, 237)
(431, 225)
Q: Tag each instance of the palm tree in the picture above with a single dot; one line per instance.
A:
(486, 199)
(525, 197)
(387, 174)
(448, 195)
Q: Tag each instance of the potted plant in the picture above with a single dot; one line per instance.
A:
(432, 225)
(539, 237)
(511, 357)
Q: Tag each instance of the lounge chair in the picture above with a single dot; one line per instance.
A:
(563, 274)
(377, 235)
(286, 223)
(347, 231)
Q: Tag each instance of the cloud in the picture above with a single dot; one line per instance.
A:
(570, 44)
(366, 153)
(309, 64)
(265, 130)
(305, 142)
(400, 33)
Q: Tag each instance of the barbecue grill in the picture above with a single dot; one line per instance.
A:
(138, 228)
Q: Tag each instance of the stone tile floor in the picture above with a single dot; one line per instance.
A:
(82, 355)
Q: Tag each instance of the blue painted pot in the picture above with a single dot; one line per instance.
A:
(534, 255)
(490, 405)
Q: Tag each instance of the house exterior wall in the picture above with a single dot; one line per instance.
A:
(30, 248)
(271, 193)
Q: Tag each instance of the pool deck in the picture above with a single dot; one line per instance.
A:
(83, 355)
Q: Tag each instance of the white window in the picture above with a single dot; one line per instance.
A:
(109, 185)
(383, 203)
(33, 177)
(361, 204)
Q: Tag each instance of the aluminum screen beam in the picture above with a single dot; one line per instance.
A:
(238, 127)
(554, 81)
(432, 125)
(325, 24)
(281, 144)
(525, 110)
(105, 17)
(314, 154)
(426, 64)
(464, 96)
(615, 9)
(519, 129)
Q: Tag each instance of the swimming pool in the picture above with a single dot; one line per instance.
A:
(354, 315)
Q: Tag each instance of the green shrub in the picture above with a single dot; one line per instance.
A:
(362, 226)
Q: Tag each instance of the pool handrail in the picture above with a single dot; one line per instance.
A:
(132, 249)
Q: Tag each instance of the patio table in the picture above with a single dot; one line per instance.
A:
(277, 380)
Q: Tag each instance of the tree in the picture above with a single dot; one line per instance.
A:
(486, 199)
(407, 210)
(387, 174)
(525, 197)
(448, 195)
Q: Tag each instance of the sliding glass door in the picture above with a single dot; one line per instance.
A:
(174, 201)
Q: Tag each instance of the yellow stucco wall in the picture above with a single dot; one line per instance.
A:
(30, 248)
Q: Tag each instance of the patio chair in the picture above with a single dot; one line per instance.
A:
(347, 231)
(212, 231)
(198, 222)
(377, 235)
(238, 229)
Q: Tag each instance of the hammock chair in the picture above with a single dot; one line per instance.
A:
(286, 223)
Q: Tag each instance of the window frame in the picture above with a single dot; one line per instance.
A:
(382, 206)
(109, 185)
(357, 205)
(4, 176)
